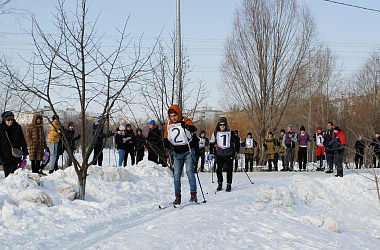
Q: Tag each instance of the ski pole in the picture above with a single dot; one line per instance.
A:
(191, 155)
(248, 176)
(212, 172)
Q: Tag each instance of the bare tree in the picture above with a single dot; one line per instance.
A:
(72, 68)
(264, 56)
(158, 89)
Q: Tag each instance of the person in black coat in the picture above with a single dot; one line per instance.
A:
(98, 149)
(359, 152)
(155, 144)
(11, 135)
(140, 145)
(130, 144)
(70, 135)
(376, 149)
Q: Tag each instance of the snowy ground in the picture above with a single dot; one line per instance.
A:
(310, 210)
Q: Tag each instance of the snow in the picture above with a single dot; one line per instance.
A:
(310, 210)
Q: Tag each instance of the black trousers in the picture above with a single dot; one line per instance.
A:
(248, 161)
(302, 157)
(358, 160)
(97, 150)
(139, 155)
(36, 165)
(376, 156)
(132, 157)
(228, 160)
(9, 168)
(338, 155)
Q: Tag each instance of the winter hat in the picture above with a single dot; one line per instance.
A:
(128, 125)
(290, 126)
(319, 128)
(172, 111)
(222, 120)
(361, 136)
(55, 117)
(121, 128)
(7, 115)
(282, 130)
(337, 128)
(70, 124)
(152, 122)
(302, 128)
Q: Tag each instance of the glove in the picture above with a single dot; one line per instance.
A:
(184, 125)
(166, 143)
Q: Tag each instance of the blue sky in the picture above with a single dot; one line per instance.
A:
(351, 33)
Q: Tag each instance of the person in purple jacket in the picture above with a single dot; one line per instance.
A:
(289, 143)
(303, 141)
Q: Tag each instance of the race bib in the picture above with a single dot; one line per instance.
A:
(249, 143)
(319, 140)
(202, 142)
(176, 135)
(223, 139)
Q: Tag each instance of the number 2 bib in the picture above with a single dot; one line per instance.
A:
(223, 139)
(176, 135)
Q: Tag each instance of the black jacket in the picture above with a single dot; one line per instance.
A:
(16, 136)
(71, 138)
(359, 147)
(154, 139)
(376, 144)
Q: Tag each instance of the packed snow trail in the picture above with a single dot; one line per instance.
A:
(281, 210)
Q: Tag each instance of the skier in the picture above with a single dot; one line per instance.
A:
(289, 142)
(340, 138)
(303, 140)
(329, 155)
(227, 145)
(140, 144)
(71, 138)
(175, 136)
(203, 144)
(270, 147)
(359, 152)
(36, 139)
(249, 145)
(53, 141)
(129, 144)
(319, 138)
(12, 143)
(376, 149)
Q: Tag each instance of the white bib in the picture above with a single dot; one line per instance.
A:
(319, 139)
(202, 142)
(249, 143)
(176, 135)
(223, 139)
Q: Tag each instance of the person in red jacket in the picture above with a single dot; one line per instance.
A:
(339, 136)
(179, 133)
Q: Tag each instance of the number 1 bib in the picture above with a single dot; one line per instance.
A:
(223, 139)
(176, 134)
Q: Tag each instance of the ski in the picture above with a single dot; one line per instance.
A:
(187, 204)
(164, 206)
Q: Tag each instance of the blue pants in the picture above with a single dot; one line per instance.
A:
(121, 156)
(330, 161)
(53, 148)
(179, 161)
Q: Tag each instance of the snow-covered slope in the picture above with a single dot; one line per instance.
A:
(310, 210)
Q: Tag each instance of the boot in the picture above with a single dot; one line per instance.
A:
(51, 171)
(177, 200)
(228, 188)
(193, 197)
(219, 186)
